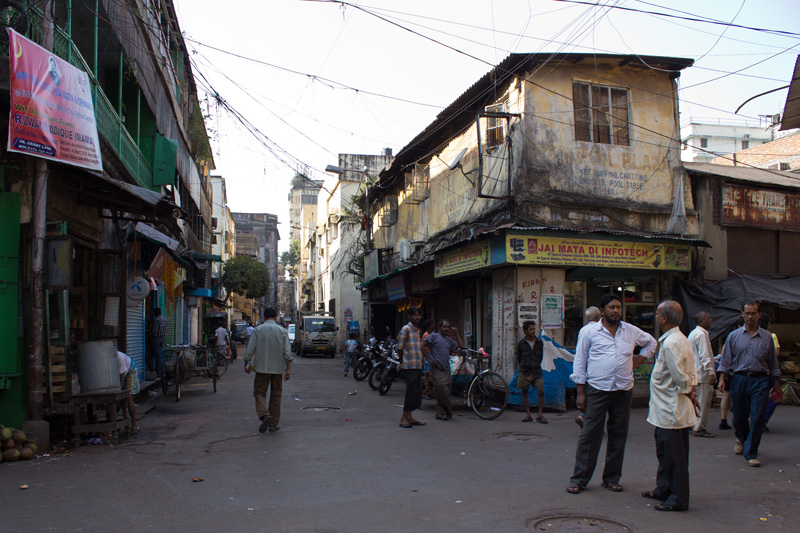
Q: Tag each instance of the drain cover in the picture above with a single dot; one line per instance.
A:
(576, 523)
(320, 408)
(520, 437)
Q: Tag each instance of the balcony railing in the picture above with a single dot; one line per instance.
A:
(109, 123)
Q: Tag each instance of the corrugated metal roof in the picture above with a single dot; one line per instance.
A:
(747, 174)
(791, 110)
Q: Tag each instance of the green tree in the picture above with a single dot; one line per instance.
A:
(292, 257)
(245, 275)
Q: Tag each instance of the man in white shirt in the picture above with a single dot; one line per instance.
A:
(672, 410)
(704, 366)
(603, 375)
(222, 339)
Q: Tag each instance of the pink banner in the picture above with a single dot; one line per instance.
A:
(52, 115)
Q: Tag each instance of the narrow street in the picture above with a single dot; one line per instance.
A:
(351, 469)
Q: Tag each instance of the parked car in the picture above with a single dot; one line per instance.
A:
(290, 329)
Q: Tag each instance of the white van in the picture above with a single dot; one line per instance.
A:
(316, 334)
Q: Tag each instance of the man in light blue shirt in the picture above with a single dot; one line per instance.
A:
(270, 355)
(603, 374)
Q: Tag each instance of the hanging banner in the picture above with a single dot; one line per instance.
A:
(52, 114)
(534, 250)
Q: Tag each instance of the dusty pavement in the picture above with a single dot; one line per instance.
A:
(350, 468)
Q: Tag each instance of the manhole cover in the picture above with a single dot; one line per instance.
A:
(576, 523)
(519, 437)
(320, 408)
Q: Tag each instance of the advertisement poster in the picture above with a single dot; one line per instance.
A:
(527, 312)
(52, 114)
(467, 318)
(552, 311)
(534, 250)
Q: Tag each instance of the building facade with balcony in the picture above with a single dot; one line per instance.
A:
(144, 220)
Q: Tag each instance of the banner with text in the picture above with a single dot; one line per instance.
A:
(52, 115)
(464, 259)
(534, 250)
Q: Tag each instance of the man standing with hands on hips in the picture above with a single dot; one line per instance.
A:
(749, 363)
(603, 374)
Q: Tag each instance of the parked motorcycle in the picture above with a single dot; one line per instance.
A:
(390, 373)
(366, 359)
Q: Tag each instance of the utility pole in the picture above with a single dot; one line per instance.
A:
(37, 327)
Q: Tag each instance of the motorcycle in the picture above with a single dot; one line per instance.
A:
(366, 360)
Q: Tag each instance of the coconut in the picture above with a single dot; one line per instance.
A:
(18, 436)
(26, 454)
(11, 455)
(30, 444)
(5, 433)
(9, 444)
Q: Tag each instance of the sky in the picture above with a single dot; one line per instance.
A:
(287, 85)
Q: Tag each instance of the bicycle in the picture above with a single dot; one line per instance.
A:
(486, 392)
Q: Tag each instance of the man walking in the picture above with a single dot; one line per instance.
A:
(529, 353)
(157, 330)
(441, 344)
(603, 375)
(409, 350)
(271, 359)
(672, 401)
(748, 363)
(704, 367)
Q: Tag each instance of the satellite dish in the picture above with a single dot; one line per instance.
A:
(457, 160)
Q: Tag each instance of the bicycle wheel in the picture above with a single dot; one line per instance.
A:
(221, 364)
(178, 376)
(488, 395)
(375, 375)
(387, 380)
(361, 371)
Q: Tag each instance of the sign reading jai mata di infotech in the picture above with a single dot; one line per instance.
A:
(52, 115)
(533, 250)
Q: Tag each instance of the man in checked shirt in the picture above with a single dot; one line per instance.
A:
(409, 350)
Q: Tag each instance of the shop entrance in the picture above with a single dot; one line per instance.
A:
(640, 298)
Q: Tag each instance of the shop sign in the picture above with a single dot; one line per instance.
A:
(395, 288)
(534, 250)
(552, 311)
(52, 113)
(742, 206)
(464, 259)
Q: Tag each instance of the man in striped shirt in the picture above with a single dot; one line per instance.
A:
(409, 350)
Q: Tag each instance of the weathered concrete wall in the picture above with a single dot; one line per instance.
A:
(637, 180)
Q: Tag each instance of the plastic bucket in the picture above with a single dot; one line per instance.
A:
(98, 368)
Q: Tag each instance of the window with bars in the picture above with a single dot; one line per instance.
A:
(495, 126)
(601, 114)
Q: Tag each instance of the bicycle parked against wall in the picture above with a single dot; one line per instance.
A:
(486, 392)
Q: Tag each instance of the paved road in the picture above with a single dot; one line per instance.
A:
(351, 469)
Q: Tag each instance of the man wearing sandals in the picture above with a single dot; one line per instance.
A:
(530, 351)
(672, 409)
(603, 375)
(409, 350)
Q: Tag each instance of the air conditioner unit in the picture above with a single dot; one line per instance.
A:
(405, 251)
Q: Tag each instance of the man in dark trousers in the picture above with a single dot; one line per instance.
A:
(271, 358)
(441, 344)
(409, 350)
(672, 409)
(749, 364)
(530, 351)
(603, 375)
(157, 330)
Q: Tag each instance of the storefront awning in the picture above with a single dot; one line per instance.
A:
(205, 257)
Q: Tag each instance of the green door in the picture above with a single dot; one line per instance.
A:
(9, 281)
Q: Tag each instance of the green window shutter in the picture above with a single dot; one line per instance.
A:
(10, 206)
(164, 162)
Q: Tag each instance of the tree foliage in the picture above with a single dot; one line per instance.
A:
(245, 275)
(292, 257)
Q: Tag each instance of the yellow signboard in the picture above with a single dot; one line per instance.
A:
(534, 250)
(462, 260)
